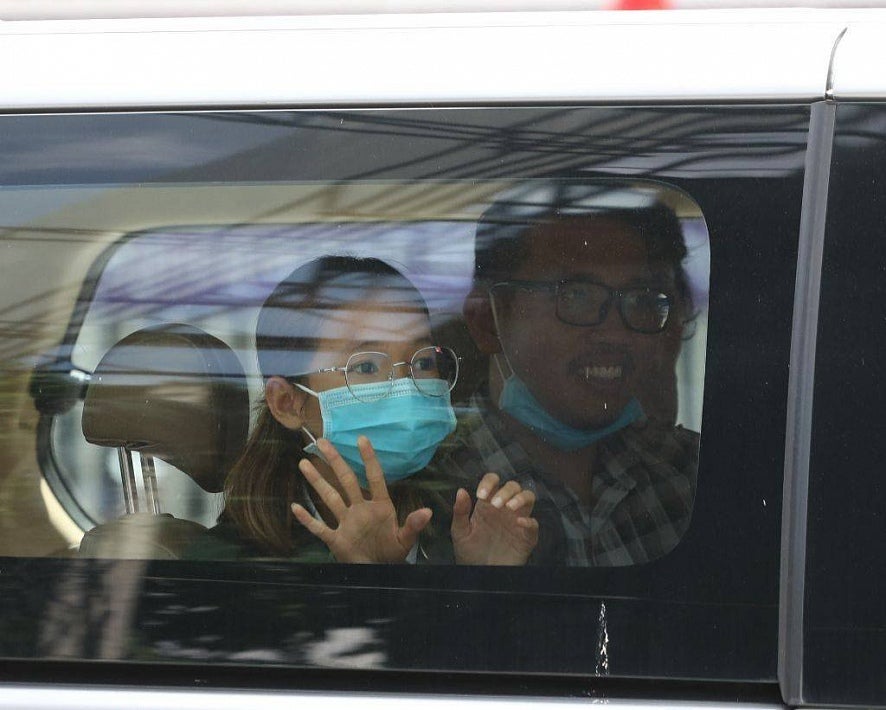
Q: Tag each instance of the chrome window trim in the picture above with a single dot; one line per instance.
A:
(801, 384)
(860, 62)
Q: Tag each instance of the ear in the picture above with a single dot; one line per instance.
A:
(286, 402)
(480, 321)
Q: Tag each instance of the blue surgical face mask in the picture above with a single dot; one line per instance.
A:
(520, 403)
(405, 427)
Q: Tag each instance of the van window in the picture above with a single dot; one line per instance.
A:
(216, 278)
(525, 292)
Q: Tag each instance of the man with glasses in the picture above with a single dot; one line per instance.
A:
(580, 301)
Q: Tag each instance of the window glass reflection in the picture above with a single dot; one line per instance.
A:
(567, 324)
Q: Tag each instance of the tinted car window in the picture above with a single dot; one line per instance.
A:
(177, 239)
(217, 278)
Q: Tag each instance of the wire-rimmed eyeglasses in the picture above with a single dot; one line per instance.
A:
(583, 302)
(426, 368)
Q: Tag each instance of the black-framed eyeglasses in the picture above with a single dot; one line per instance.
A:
(426, 368)
(582, 302)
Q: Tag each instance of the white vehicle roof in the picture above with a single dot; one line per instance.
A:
(420, 59)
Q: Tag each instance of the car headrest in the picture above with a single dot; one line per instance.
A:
(173, 392)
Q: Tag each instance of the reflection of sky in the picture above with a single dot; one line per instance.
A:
(211, 269)
(217, 277)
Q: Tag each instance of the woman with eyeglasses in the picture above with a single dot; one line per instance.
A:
(356, 403)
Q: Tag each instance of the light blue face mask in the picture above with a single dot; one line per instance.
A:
(405, 427)
(519, 402)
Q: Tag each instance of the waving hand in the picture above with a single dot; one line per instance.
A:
(367, 529)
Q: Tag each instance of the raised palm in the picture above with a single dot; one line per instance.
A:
(500, 530)
(367, 529)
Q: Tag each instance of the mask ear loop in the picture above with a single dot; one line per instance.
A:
(304, 429)
(306, 389)
(312, 438)
(504, 356)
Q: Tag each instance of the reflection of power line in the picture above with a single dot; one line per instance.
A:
(519, 134)
(188, 279)
(136, 284)
(36, 299)
(16, 328)
(405, 126)
(874, 136)
(536, 144)
(29, 309)
(52, 235)
(569, 140)
(668, 134)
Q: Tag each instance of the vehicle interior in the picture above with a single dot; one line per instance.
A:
(146, 395)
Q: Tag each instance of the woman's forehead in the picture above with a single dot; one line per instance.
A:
(373, 321)
(395, 331)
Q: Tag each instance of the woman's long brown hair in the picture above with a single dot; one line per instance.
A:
(263, 482)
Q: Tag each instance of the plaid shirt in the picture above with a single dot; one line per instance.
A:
(642, 489)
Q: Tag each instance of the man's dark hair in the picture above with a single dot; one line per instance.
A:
(501, 245)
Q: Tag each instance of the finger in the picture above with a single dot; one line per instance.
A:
(461, 515)
(530, 526)
(374, 475)
(487, 486)
(314, 526)
(342, 471)
(415, 522)
(505, 493)
(523, 501)
(528, 523)
(330, 497)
